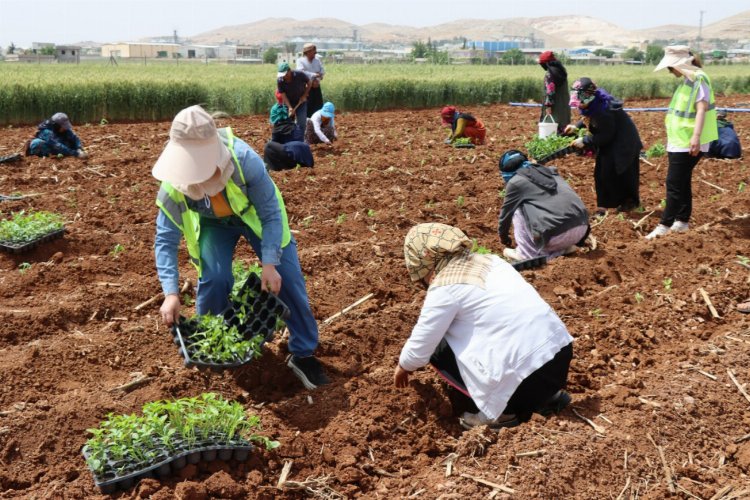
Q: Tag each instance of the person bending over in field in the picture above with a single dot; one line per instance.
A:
(549, 219)
(614, 138)
(283, 128)
(54, 137)
(214, 190)
(294, 87)
(462, 125)
(486, 332)
(321, 127)
(286, 156)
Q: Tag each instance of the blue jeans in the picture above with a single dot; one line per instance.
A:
(300, 116)
(218, 239)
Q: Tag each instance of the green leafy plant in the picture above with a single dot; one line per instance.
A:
(187, 299)
(23, 267)
(117, 250)
(663, 203)
(340, 219)
(127, 443)
(501, 193)
(462, 140)
(656, 151)
(370, 212)
(23, 227)
(460, 201)
(477, 248)
(596, 313)
(745, 261)
(539, 148)
(212, 340)
(741, 186)
(667, 283)
(638, 297)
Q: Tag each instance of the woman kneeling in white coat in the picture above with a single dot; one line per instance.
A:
(485, 330)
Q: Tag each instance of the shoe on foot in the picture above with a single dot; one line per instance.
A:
(660, 230)
(744, 307)
(679, 227)
(555, 404)
(308, 370)
(471, 420)
(512, 254)
(571, 249)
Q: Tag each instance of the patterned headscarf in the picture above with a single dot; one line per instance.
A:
(447, 251)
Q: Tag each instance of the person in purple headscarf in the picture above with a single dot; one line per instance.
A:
(614, 139)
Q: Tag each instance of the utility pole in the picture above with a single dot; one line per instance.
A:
(700, 32)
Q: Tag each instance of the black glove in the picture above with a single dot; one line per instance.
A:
(505, 240)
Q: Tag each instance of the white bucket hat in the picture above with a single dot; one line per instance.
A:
(678, 57)
(194, 150)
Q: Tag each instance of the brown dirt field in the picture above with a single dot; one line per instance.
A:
(656, 367)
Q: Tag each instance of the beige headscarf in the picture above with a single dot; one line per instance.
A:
(679, 58)
(447, 251)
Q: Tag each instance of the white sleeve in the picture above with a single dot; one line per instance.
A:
(438, 311)
(301, 66)
(322, 69)
(317, 122)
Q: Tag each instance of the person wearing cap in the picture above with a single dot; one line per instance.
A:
(294, 87)
(214, 190)
(549, 219)
(615, 140)
(283, 128)
(485, 331)
(556, 96)
(728, 144)
(312, 66)
(462, 125)
(55, 136)
(691, 127)
(321, 127)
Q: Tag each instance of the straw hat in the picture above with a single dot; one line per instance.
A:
(676, 56)
(308, 47)
(194, 150)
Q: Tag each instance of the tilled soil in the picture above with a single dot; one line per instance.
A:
(655, 413)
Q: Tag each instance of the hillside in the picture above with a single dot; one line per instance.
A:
(556, 31)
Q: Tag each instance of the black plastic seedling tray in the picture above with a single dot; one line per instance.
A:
(532, 263)
(173, 463)
(557, 154)
(464, 145)
(261, 311)
(24, 247)
(10, 158)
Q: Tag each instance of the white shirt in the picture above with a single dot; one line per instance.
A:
(311, 67)
(500, 335)
(317, 122)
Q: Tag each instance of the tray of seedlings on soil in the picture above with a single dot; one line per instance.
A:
(552, 147)
(24, 231)
(235, 337)
(463, 142)
(169, 435)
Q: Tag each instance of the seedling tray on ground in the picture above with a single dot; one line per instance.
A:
(532, 263)
(464, 145)
(261, 311)
(10, 158)
(110, 483)
(24, 247)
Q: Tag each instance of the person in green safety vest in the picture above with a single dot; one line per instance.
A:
(691, 127)
(214, 190)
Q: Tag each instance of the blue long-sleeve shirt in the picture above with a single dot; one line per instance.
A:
(65, 143)
(261, 193)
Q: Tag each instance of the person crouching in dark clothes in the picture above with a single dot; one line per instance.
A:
(286, 156)
(614, 137)
(56, 137)
(284, 129)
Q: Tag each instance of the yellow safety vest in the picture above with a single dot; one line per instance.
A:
(173, 204)
(680, 119)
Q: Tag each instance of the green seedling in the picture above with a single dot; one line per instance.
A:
(620, 216)
(663, 203)
(23, 227)
(501, 194)
(187, 299)
(103, 122)
(340, 219)
(745, 261)
(477, 248)
(741, 186)
(539, 148)
(370, 212)
(638, 297)
(667, 282)
(656, 151)
(213, 341)
(639, 210)
(460, 201)
(23, 267)
(596, 313)
(117, 250)
(715, 197)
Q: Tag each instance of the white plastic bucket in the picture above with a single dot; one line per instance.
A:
(547, 128)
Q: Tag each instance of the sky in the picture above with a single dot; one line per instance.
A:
(72, 21)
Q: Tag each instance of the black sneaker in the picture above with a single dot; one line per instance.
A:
(308, 370)
(555, 404)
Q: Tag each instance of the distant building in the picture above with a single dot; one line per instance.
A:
(68, 53)
(140, 50)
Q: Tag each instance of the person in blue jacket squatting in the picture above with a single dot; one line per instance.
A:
(215, 189)
(54, 137)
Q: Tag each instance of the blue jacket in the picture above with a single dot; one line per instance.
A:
(50, 141)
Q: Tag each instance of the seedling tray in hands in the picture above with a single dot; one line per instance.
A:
(200, 452)
(557, 154)
(7, 246)
(254, 314)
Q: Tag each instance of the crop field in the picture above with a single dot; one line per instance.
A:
(658, 378)
(157, 90)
